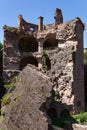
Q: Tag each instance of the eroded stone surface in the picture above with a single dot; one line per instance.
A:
(29, 102)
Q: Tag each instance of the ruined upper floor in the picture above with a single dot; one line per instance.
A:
(63, 30)
(43, 36)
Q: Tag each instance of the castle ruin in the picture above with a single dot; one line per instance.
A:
(62, 44)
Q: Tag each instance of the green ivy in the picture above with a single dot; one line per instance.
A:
(44, 65)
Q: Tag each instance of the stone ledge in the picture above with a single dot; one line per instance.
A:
(79, 127)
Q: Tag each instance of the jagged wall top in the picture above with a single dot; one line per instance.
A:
(64, 31)
(58, 16)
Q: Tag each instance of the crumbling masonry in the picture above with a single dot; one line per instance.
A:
(62, 44)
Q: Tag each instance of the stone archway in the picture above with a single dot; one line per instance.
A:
(28, 60)
(27, 44)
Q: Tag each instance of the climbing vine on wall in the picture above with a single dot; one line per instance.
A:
(44, 65)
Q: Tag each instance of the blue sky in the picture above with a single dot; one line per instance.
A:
(32, 9)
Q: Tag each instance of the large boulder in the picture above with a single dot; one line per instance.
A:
(29, 102)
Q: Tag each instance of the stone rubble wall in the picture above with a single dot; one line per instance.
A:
(61, 74)
(79, 127)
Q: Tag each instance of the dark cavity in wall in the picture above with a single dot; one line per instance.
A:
(50, 43)
(28, 60)
(48, 63)
(27, 44)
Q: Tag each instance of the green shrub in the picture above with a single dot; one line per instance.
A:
(11, 84)
(81, 118)
(85, 58)
(44, 65)
(5, 99)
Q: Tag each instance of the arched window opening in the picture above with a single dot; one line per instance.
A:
(28, 60)
(64, 113)
(32, 29)
(50, 44)
(51, 112)
(27, 44)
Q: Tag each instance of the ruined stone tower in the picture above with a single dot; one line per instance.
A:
(63, 45)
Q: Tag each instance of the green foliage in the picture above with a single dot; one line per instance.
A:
(11, 84)
(79, 118)
(44, 65)
(85, 58)
(5, 100)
